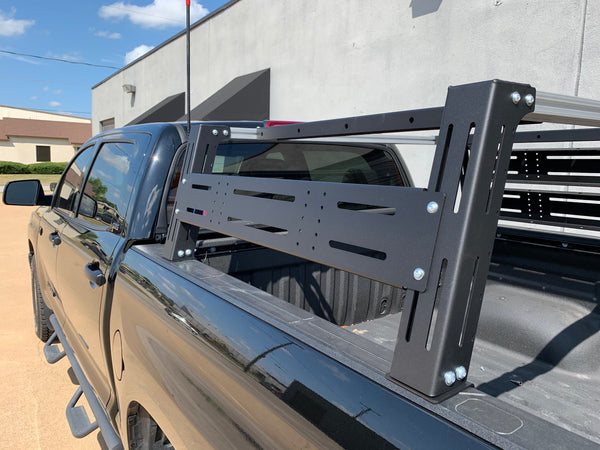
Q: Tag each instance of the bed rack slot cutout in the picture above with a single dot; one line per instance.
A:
(376, 241)
(574, 166)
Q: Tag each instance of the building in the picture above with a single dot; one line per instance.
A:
(310, 59)
(29, 136)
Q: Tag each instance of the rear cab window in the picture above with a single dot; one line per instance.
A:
(309, 161)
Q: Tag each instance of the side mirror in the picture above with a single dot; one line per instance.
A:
(88, 206)
(25, 193)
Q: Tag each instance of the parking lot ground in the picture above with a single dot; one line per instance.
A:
(33, 393)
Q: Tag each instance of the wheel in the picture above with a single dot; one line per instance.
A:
(41, 312)
(144, 432)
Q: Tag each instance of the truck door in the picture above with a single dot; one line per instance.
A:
(52, 222)
(89, 240)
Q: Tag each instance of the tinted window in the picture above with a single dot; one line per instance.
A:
(42, 153)
(308, 161)
(109, 187)
(68, 192)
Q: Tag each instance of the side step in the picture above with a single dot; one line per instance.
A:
(52, 351)
(78, 419)
(76, 415)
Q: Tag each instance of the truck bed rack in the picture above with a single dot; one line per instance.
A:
(427, 236)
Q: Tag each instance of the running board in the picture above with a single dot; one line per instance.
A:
(52, 351)
(76, 415)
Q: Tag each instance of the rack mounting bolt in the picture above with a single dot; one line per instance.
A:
(515, 97)
(177, 211)
(529, 99)
(432, 207)
(188, 252)
(181, 253)
(183, 181)
(215, 132)
(225, 133)
(449, 378)
(461, 373)
(418, 273)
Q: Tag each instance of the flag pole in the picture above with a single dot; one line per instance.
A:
(188, 90)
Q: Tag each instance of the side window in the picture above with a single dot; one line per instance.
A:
(108, 189)
(68, 192)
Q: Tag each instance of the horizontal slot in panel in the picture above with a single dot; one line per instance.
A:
(555, 166)
(381, 232)
(567, 209)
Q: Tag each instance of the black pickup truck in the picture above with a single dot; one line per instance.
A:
(237, 285)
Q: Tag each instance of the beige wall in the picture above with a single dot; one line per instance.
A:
(22, 150)
(19, 113)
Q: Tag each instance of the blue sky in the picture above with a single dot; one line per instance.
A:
(89, 33)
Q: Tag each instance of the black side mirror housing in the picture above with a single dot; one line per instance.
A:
(25, 193)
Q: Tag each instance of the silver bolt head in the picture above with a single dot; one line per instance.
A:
(181, 253)
(515, 97)
(432, 207)
(461, 373)
(183, 181)
(449, 378)
(418, 274)
(188, 252)
(176, 211)
(215, 132)
(225, 133)
(529, 99)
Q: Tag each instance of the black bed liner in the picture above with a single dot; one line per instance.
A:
(536, 348)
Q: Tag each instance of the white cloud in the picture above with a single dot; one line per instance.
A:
(158, 14)
(57, 92)
(34, 97)
(54, 104)
(136, 53)
(12, 27)
(107, 34)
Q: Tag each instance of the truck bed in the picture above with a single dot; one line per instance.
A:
(549, 368)
(535, 357)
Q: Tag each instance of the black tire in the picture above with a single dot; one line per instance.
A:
(41, 312)
(144, 432)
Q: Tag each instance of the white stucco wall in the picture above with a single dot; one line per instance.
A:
(345, 57)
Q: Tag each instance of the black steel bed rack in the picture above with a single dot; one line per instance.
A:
(438, 241)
